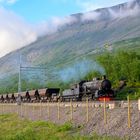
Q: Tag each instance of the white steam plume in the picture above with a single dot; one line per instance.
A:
(79, 70)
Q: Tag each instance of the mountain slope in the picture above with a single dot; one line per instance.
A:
(73, 41)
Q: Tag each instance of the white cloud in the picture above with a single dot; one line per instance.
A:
(11, 1)
(14, 32)
(57, 22)
(8, 1)
(121, 12)
(53, 25)
(128, 10)
(90, 16)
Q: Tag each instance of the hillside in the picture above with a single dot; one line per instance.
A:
(73, 42)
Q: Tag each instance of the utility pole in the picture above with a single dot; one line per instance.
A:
(26, 68)
(19, 82)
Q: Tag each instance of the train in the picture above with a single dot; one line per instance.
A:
(96, 89)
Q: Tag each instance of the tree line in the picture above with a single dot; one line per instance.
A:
(121, 65)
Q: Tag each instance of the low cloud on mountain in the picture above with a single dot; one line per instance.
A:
(129, 9)
(48, 27)
(91, 16)
(16, 33)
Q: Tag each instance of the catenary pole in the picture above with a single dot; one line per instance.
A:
(19, 82)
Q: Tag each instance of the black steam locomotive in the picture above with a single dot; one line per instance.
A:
(96, 90)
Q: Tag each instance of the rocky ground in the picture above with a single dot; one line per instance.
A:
(93, 122)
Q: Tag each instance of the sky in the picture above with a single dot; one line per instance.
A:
(23, 21)
(35, 11)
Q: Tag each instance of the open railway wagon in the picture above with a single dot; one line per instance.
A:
(8, 98)
(41, 95)
(51, 95)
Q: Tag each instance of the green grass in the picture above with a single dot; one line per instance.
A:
(14, 128)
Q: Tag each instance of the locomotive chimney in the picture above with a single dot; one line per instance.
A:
(104, 77)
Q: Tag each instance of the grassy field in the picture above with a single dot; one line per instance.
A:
(14, 128)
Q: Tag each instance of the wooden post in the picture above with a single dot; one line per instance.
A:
(11, 108)
(17, 111)
(129, 116)
(71, 110)
(7, 108)
(40, 109)
(25, 109)
(21, 110)
(87, 110)
(48, 111)
(33, 113)
(2, 108)
(58, 115)
(105, 115)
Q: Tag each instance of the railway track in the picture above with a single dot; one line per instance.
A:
(94, 104)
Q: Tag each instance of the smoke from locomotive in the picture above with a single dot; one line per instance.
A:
(79, 70)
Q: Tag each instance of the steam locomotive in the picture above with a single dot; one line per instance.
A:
(96, 89)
